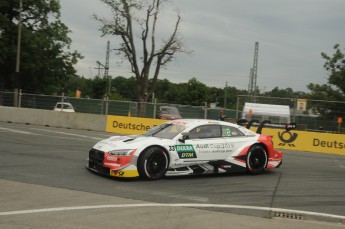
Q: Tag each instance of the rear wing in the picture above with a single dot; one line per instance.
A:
(266, 124)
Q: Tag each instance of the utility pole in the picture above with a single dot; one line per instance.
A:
(225, 94)
(250, 84)
(106, 67)
(17, 74)
(255, 67)
(98, 68)
(106, 76)
(253, 74)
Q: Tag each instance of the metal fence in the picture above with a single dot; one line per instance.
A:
(307, 120)
(110, 107)
(307, 117)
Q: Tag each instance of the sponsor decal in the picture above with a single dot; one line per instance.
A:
(215, 146)
(179, 123)
(130, 125)
(124, 173)
(308, 141)
(112, 159)
(287, 138)
(328, 144)
(185, 151)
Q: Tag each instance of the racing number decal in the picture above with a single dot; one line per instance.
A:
(171, 148)
(228, 132)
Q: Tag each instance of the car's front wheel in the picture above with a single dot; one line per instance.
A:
(153, 163)
(256, 159)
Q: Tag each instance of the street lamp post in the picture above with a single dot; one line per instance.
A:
(17, 74)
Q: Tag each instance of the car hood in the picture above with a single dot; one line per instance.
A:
(125, 142)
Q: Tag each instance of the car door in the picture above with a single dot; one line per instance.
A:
(235, 138)
(207, 143)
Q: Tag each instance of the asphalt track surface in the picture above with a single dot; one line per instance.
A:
(44, 184)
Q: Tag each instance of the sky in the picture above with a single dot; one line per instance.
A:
(291, 34)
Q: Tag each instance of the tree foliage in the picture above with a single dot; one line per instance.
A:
(335, 65)
(135, 22)
(334, 90)
(45, 65)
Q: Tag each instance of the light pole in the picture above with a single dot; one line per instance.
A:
(17, 74)
(108, 87)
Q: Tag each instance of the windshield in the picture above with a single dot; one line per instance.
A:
(170, 110)
(64, 106)
(166, 130)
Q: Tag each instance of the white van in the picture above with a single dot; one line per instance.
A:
(272, 112)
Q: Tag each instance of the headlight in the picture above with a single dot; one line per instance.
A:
(122, 152)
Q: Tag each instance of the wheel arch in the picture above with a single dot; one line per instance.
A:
(263, 146)
(265, 151)
(151, 146)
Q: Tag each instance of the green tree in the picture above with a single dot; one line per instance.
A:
(99, 87)
(335, 65)
(194, 93)
(132, 18)
(164, 91)
(215, 95)
(124, 87)
(231, 99)
(45, 63)
(334, 90)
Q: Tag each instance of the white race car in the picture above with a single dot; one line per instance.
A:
(185, 147)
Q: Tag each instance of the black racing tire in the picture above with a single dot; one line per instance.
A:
(256, 159)
(153, 163)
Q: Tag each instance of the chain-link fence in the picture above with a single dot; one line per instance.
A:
(307, 118)
(112, 107)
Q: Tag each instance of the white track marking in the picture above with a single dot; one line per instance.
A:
(17, 131)
(64, 133)
(50, 131)
(44, 210)
(341, 165)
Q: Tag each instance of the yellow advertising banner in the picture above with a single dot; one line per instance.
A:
(130, 125)
(282, 139)
(307, 141)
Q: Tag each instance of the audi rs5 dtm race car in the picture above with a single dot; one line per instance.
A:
(185, 147)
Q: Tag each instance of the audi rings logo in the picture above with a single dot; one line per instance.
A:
(287, 138)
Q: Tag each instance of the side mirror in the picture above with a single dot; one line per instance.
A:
(185, 136)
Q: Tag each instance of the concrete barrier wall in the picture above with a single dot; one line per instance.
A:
(76, 120)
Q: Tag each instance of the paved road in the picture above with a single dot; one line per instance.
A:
(44, 168)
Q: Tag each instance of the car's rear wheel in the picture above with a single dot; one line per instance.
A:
(256, 159)
(153, 163)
